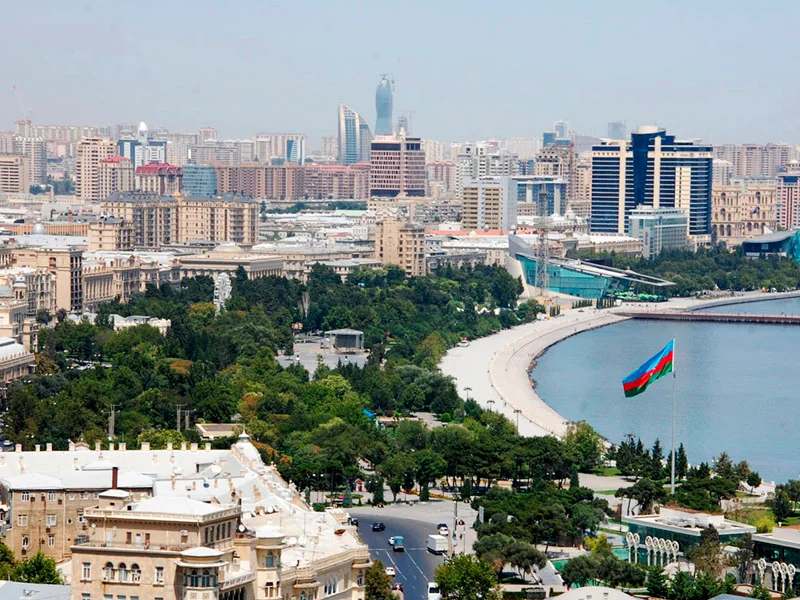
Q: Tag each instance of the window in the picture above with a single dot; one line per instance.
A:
(86, 572)
(122, 574)
(108, 572)
(270, 562)
(22, 520)
(108, 597)
(86, 596)
(72, 495)
(51, 520)
(136, 573)
(51, 541)
(121, 597)
(96, 495)
(159, 576)
(84, 495)
(26, 496)
(24, 542)
(128, 537)
(51, 496)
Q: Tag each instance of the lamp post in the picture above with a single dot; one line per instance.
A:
(491, 405)
(516, 412)
(467, 390)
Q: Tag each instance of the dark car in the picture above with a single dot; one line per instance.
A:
(399, 586)
(353, 521)
(378, 526)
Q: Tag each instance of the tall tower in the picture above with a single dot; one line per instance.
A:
(354, 137)
(383, 106)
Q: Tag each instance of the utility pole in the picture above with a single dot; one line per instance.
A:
(186, 414)
(178, 417)
(516, 412)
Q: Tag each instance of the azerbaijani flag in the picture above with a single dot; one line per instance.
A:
(655, 368)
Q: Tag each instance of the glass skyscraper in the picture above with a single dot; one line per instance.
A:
(199, 180)
(354, 137)
(383, 106)
(651, 169)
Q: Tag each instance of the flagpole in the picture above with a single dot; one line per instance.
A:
(674, 403)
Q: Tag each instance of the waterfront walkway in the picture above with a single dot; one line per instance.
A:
(493, 370)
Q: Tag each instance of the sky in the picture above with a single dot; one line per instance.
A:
(725, 72)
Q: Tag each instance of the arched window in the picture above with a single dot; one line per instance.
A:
(122, 574)
(108, 572)
(136, 573)
(302, 596)
(193, 579)
(270, 561)
(206, 581)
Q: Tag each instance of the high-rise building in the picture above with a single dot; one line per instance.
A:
(442, 172)
(659, 229)
(558, 161)
(651, 169)
(562, 130)
(721, 171)
(207, 134)
(402, 126)
(524, 148)
(143, 149)
(116, 175)
(541, 195)
(617, 130)
(548, 138)
(483, 159)
(581, 204)
(354, 137)
(296, 151)
(789, 197)
(14, 173)
(199, 180)
(89, 153)
(397, 167)
(7, 142)
(269, 146)
(754, 160)
(383, 106)
(35, 150)
(162, 179)
(490, 203)
(330, 146)
(434, 151)
(743, 209)
(403, 244)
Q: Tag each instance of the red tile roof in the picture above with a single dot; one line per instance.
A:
(116, 159)
(158, 169)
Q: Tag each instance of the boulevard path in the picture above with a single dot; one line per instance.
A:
(493, 370)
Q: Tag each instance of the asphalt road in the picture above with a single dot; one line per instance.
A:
(416, 565)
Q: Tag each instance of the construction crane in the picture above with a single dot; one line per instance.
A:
(25, 115)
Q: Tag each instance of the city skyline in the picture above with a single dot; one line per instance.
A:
(697, 72)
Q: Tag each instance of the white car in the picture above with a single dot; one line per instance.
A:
(433, 591)
(390, 571)
(391, 541)
(444, 531)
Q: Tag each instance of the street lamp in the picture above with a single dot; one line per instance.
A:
(516, 412)
(467, 390)
(491, 405)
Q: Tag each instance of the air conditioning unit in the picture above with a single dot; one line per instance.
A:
(184, 532)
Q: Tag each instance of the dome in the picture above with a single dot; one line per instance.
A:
(38, 229)
(143, 127)
(228, 248)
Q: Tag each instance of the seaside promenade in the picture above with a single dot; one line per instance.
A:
(493, 370)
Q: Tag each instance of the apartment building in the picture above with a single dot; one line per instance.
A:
(153, 218)
(403, 244)
(217, 219)
(490, 203)
(33, 148)
(162, 179)
(743, 209)
(14, 173)
(116, 175)
(90, 152)
(111, 234)
(66, 266)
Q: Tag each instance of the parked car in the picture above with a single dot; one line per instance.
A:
(399, 587)
(378, 526)
(433, 591)
(353, 521)
(390, 571)
(443, 530)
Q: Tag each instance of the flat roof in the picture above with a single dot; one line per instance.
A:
(777, 236)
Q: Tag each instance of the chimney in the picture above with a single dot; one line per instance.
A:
(216, 481)
(17, 447)
(2, 460)
(123, 446)
(75, 466)
(183, 445)
(71, 446)
(21, 466)
(97, 447)
(169, 445)
(111, 446)
(208, 446)
(172, 481)
(49, 447)
(145, 446)
(38, 447)
(114, 477)
(194, 447)
(155, 458)
(194, 485)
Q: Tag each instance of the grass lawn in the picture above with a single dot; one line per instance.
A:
(606, 492)
(607, 472)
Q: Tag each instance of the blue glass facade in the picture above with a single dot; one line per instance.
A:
(548, 193)
(566, 281)
(653, 165)
(199, 180)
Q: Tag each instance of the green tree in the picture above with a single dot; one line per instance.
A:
(781, 505)
(347, 498)
(681, 462)
(377, 493)
(523, 557)
(754, 480)
(465, 577)
(645, 492)
(158, 440)
(585, 443)
(761, 593)
(657, 584)
(377, 584)
(37, 569)
(744, 555)
(580, 570)
(681, 587)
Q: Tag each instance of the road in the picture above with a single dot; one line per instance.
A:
(416, 565)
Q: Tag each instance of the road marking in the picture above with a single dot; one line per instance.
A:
(416, 565)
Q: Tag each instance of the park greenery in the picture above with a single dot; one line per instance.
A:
(709, 269)
(35, 569)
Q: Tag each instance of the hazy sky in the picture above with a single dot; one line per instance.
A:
(722, 71)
